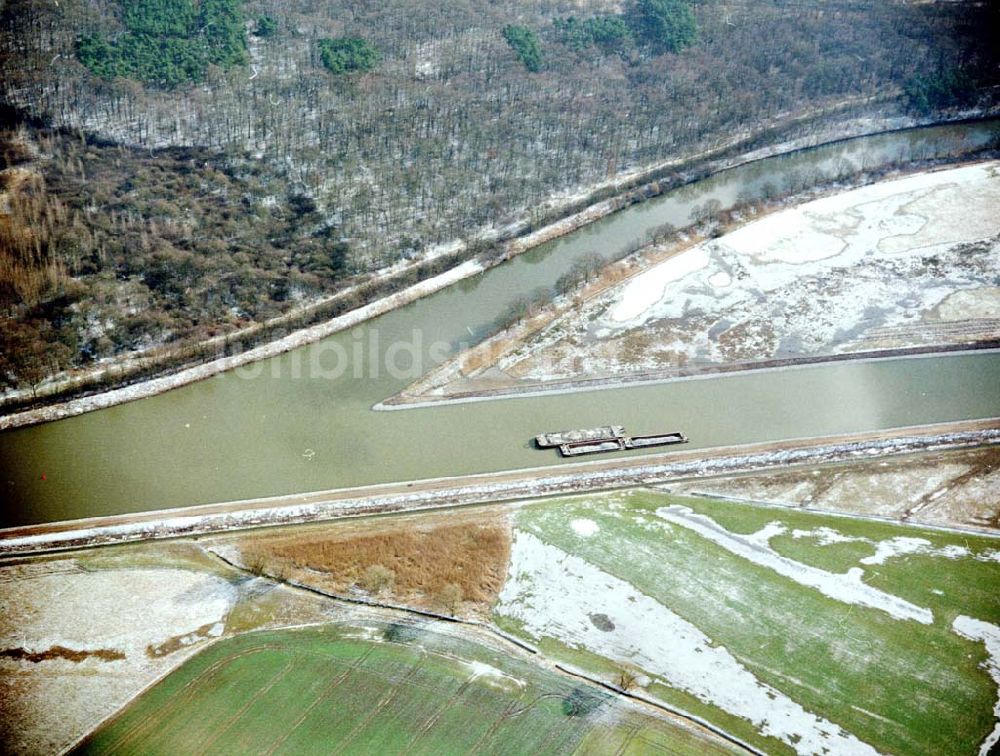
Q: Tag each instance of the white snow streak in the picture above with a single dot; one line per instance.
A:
(481, 669)
(903, 545)
(763, 536)
(974, 629)
(896, 547)
(553, 594)
(846, 587)
(827, 536)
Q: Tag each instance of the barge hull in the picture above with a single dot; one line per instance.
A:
(582, 435)
(663, 439)
(591, 447)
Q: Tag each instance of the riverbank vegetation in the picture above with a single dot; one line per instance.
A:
(174, 196)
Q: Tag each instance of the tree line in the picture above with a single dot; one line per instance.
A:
(191, 209)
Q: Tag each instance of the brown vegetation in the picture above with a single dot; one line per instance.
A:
(378, 578)
(162, 217)
(109, 251)
(106, 250)
(61, 652)
(450, 597)
(626, 678)
(29, 220)
(176, 643)
(450, 567)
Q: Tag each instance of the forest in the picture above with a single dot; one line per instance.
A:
(280, 151)
(168, 42)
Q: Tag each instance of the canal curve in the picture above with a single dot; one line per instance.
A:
(303, 421)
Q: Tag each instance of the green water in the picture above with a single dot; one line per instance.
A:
(293, 424)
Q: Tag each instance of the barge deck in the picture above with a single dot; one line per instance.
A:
(607, 438)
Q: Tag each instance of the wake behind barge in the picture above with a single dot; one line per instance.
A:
(607, 438)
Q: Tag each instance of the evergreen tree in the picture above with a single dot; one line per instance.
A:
(348, 54)
(663, 25)
(524, 42)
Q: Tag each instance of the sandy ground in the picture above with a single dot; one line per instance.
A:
(951, 488)
(910, 263)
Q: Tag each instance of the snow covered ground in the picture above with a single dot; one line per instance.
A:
(990, 635)
(959, 487)
(847, 587)
(903, 263)
(822, 647)
(130, 625)
(553, 594)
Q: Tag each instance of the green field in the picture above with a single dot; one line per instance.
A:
(386, 689)
(897, 685)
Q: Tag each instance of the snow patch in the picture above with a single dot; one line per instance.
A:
(553, 594)
(124, 610)
(978, 630)
(847, 587)
(763, 536)
(787, 236)
(720, 280)
(584, 527)
(872, 268)
(827, 536)
(903, 545)
(647, 288)
(481, 669)
(895, 547)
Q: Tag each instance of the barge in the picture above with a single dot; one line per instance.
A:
(607, 438)
(583, 435)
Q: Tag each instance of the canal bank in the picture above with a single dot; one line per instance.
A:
(439, 493)
(302, 421)
(147, 374)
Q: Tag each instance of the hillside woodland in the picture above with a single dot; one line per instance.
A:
(176, 169)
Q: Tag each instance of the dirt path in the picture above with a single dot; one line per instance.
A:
(607, 473)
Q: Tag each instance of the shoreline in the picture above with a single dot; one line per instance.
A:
(628, 187)
(466, 376)
(653, 378)
(497, 487)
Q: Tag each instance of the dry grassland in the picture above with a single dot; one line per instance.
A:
(457, 565)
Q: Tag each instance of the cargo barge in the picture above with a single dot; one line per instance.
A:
(607, 438)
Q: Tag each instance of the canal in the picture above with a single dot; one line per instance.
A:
(303, 421)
